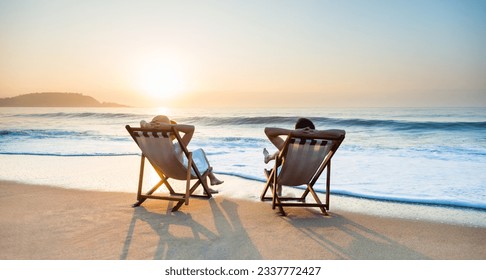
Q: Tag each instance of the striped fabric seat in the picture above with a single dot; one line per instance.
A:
(303, 157)
(152, 144)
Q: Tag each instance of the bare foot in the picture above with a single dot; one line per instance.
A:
(215, 181)
(266, 155)
(212, 191)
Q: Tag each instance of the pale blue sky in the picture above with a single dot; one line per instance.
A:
(248, 53)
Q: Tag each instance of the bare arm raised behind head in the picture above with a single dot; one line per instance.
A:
(274, 133)
(188, 131)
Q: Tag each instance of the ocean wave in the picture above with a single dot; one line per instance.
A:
(324, 122)
(76, 115)
(217, 144)
(230, 139)
(446, 151)
(268, 120)
(274, 120)
(396, 125)
(59, 134)
(42, 133)
(411, 200)
(319, 188)
(243, 176)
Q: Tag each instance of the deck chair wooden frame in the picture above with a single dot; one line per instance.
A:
(275, 180)
(176, 168)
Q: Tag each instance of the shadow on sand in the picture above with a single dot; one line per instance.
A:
(345, 239)
(182, 237)
(220, 234)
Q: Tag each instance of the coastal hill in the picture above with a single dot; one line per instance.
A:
(54, 99)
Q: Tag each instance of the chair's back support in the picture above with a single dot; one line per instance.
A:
(305, 154)
(157, 147)
(302, 160)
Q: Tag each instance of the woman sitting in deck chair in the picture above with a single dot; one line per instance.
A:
(198, 155)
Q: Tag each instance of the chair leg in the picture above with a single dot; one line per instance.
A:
(138, 203)
(140, 182)
(267, 186)
(206, 189)
(178, 205)
(274, 189)
(276, 199)
(154, 188)
(188, 180)
(274, 196)
(164, 180)
(316, 198)
(202, 179)
(328, 185)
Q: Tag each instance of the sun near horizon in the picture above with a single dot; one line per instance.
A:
(161, 79)
(248, 53)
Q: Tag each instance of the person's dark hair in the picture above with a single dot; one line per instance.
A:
(303, 123)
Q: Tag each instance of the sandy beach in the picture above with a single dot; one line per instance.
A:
(403, 79)
(45, 222)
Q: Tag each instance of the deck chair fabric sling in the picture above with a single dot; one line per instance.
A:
(157, 147)
(303, 158)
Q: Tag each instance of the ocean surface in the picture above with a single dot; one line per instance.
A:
(431, 156)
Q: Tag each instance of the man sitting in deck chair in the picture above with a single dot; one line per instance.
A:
(301, 159)
(172, 159)
(274, 134)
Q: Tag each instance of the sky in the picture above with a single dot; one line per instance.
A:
(266, 53)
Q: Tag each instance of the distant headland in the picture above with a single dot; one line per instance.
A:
(54, 99)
